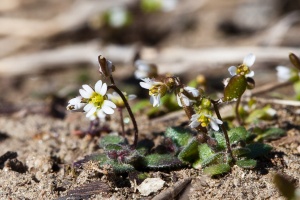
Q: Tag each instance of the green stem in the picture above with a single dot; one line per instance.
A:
(136, 131)
(229, 151)
(237, 114)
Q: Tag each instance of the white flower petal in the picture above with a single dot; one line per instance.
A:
(192, 90)
(145, 85)
(283, 73)
(91, 112)
(85, 94)
(249, 60)
(103, 89)
(250, 74)
(109, 103)
(214, 125)
(178, 100)
(101, 114)
(232, 70)
(131, 97)
(185, 99)
(107, 110)
(155, 100)
(195, 117)
(88, 89)
(194, 124)
(92, 118)
(98, 86)
(88, 107)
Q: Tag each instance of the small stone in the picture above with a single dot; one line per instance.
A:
(150, 185)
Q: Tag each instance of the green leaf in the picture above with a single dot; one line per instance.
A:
(162, 161)
(111, 139)
(115, 147)
(238, 134)
(240, 151)
(266, 113)
(220, 140)
(190, 152)
(270, 134)
(118, 168)
(205, 151)
(247, 164)
(180, 136)
(150, 5)
(217, 169)
(258, 150)
(235, 88)
(214, 159)
(99, 157)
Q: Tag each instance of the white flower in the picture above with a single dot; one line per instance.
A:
(118, 17)
(201, 119)
(193, 91)
(168, 5)
(76, 104)
(283, 73)
(100, 115)
(96, 100)
(144, 69)
(156, 90)
(243, 69)
(116, 98)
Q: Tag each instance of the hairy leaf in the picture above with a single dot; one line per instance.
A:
(190, 152)
(180, 136)
(111, 139)
(248, 164)
(217, 169)
(162, 161)
(258, 150)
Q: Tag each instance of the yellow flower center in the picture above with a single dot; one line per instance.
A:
(243, 70)
(158, 89)
(97, 99)
(203, 120)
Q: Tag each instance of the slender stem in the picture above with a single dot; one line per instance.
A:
(136, 131)
(215, 103)
(122, 121)
(237, 114)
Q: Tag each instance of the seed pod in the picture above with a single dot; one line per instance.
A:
(250, 83)
(235, 88)
(295, 60)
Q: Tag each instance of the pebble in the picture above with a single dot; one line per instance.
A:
(150, 185)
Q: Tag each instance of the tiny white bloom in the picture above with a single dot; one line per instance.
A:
(214, 122)
(156, 90)
(194, 121)
(76, 104)
(96, 100)
(283, 73)
(168, 5)
(243, 69)
(193, 91)
(116, 98)
(144, 69)
(118, 17)
(198, 119)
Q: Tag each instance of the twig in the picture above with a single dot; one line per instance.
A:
(173, 191)
(275, 101)
(186, 59)
(69, 20)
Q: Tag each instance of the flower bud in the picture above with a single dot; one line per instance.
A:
(106, 66)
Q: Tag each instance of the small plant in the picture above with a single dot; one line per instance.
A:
(208, 143)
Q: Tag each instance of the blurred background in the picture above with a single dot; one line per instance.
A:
(49, 48)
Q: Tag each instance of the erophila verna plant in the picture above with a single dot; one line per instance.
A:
(208, 142)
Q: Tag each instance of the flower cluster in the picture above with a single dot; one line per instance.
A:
(204, 116)
(156, 90)
(243, 69)
(94, 102)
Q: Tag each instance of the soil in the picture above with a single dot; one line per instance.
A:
(40, 140)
